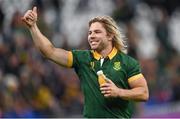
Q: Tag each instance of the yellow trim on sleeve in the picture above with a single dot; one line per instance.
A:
(70, 59)
(135, 77)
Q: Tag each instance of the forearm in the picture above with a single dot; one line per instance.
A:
(40, 41)
(136, 94)
(58, 55)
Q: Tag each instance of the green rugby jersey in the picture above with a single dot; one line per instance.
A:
(118, 67)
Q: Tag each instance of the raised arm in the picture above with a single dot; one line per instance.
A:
(58, 55)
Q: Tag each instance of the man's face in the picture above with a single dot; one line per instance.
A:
(97, 37)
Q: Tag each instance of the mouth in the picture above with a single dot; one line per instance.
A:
(93, 42)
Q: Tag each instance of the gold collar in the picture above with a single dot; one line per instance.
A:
(97, 56)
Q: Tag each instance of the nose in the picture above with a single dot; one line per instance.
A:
(92, 35)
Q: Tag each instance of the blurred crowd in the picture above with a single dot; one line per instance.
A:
(32, 86)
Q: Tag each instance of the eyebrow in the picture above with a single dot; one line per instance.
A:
(94, 30)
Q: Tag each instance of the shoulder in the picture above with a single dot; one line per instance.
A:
(126, 58)
(81, 52)
(81, 55)
(130, 63)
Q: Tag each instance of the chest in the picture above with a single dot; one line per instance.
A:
(115, 70)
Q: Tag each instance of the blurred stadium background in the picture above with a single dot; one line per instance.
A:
(31, 86)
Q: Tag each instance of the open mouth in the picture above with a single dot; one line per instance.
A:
(93, 43)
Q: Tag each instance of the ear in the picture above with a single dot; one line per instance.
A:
(111, 36)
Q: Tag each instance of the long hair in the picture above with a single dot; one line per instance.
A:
(112, 29)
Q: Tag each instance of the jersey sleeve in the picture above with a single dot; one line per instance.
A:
(78, 58)
(75, 58)
(70, 59)
(134, 70)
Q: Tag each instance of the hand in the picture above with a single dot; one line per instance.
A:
(109, 89)
(30, 17)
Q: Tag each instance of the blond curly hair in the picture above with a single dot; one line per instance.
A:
(112, 29)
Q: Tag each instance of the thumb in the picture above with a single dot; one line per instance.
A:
(35, 9)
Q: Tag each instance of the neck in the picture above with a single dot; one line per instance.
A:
(105, 52)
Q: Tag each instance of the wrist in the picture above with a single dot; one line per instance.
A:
(120, 92)
(33, 27)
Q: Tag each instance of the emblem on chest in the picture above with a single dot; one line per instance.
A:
(92, 65)
(117, 66)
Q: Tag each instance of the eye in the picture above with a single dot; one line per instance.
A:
(89, 33)
(97, 31)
